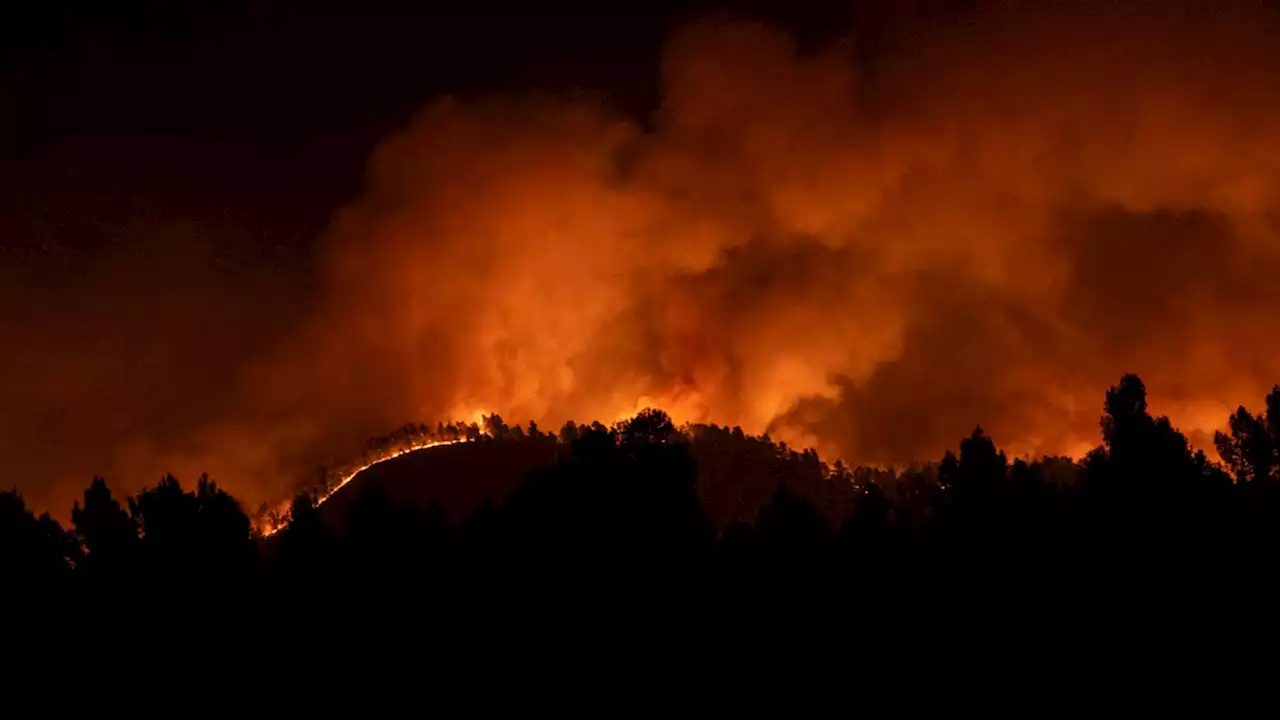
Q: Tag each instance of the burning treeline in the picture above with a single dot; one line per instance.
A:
(986, 223)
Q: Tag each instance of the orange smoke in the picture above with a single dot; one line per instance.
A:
(989, 224)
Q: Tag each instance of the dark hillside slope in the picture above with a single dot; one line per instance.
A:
(457, 477)
(738, 475)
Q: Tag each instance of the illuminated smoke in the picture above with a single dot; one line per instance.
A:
(991, 224)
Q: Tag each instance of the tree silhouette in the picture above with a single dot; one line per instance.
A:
(109, 535)
(863, 532)
(648, 427)
(395, 546)
(193, 540)
(793, 540)
(36, 554)
(568, 432)
(1145, 454)
(1248, 448)
(309, 554)
(646, 507)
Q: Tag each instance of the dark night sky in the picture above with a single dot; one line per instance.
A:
(262, 114)
(254, 119)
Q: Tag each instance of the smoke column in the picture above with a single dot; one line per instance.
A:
(988, 224)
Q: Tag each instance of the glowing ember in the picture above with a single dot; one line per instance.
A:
(279, 519)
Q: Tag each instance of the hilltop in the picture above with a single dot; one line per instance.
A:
(644, 504)
(456, 477)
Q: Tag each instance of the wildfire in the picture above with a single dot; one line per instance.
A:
(278, 519)
(989, 228)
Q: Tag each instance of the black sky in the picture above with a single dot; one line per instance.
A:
(262, 113)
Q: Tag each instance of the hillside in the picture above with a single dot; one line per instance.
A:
(457, 477)
(737, 475)
(645, 504)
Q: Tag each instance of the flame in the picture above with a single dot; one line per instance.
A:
(281, 509)
(989, 226)
(348, 477)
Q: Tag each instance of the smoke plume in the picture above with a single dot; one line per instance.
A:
(990, 223)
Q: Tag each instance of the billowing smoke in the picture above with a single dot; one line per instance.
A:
(988, 224)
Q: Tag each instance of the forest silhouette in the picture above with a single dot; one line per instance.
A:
(646, 506)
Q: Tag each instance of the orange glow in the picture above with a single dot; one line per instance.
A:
(283, 507)
(988, 227)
